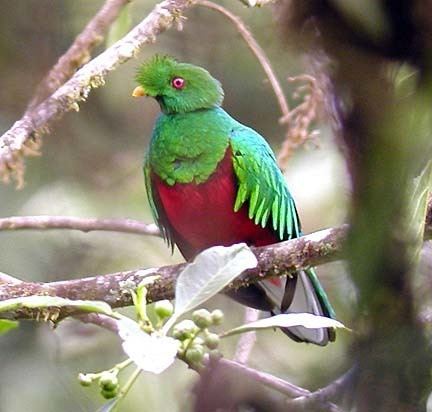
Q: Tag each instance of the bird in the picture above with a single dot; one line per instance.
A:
(211, 180)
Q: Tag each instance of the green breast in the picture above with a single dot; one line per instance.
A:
(187, 147)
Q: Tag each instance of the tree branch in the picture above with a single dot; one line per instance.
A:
(124, 225)
(273, 260)
(79, 52)
(233, 370)
(114, 289)
(23, 138)
(282, 386)
(75, 223)
(329, 393)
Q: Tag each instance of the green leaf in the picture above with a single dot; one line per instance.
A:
(6, 325)
(207, 275)
(36, 302)
(287, 320)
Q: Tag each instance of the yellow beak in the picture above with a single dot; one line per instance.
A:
(139, 92)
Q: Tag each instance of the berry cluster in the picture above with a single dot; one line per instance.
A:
(195, 337)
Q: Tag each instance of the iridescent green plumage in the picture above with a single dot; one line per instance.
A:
(261, 184)
(213, 181)
(175, 151)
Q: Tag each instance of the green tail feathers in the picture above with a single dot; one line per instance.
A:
(321, 294)
(323, 299)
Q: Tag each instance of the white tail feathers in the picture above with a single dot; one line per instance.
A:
(304, 300)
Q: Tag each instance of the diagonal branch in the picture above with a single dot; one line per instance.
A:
(23, 137)
(79, 52)
(331, 392)
(229, 372)
(266, 379)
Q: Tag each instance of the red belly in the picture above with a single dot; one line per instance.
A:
(202, 215)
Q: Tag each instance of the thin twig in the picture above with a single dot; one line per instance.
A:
(79, 52)
(330, 392)
(23, 138)
(247, 340)
(117, 225)
(282, 386)
(256, 50)
(300, 119)
(75, 223)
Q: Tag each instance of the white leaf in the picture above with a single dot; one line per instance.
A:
(287, 320)
(127, 328)
(151, 353)
(207, 275)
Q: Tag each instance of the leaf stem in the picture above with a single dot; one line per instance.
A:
(126, 388)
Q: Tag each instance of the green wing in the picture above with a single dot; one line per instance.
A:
(262, 184)
(153, 200)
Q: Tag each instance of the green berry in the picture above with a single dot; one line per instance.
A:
(185, 329)
(195, 355)
(198, 346)
(217, 317)
(198, 340)
(212, 340)
(163, 309)
(109, 394)
(108, 381)
(202, 318)
(84, 379)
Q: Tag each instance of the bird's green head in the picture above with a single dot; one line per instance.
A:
(178, 87)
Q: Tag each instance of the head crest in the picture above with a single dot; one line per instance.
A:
(162, 76)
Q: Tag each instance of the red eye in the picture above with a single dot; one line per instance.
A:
(178, 83)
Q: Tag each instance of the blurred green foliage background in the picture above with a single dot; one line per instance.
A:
(91, 167)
